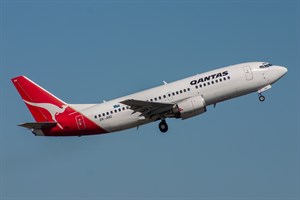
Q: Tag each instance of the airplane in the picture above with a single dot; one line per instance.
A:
(181, 99)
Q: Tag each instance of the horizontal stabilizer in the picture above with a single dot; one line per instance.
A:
(38, 125)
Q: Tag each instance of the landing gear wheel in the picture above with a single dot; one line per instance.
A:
(163, 126)
(261, 98)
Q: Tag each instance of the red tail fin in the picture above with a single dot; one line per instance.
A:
(42, 104)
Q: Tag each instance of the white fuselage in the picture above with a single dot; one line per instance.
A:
(214, 86)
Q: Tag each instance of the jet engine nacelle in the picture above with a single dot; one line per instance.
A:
(190, 107)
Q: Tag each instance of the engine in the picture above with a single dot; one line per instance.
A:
(190, 107)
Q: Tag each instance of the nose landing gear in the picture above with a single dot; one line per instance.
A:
(163, 126)
(260, 91)
(261, 97)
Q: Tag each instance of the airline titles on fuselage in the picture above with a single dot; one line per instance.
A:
(208, 78)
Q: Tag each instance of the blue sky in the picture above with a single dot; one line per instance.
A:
(89, 51)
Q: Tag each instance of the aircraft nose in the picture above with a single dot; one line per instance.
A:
(281, 71)
(274, 73)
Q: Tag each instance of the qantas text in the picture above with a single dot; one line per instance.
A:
(208, 78)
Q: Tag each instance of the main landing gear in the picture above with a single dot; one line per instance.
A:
(261, 97)
(163, 126)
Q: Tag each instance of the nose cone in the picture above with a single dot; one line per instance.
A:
(274, 73)
(281, 71)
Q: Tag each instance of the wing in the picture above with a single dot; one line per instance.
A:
(38, 125)
(148, 109)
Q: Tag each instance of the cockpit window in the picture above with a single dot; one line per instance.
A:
(265, 65)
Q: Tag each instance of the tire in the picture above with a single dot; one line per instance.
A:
(163, 126)
(262, 98)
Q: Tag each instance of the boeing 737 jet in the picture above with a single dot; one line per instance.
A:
(180, 99)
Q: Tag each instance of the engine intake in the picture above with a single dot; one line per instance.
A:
(190, 107)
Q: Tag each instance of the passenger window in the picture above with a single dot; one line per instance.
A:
(184, 90)
(173, 94)
(196, 86)
(116, 111)
(177, 92)
(212, 82)
(216, 81)
(119, 109)
(208, 83)
(220, 80)
(123, 108)
(200, 85)
(111, 112)
(188, 89)
(95, 116)
(107, 113)
(155, 99)
(103, 114)
(224, 78)
(164, 96)
(204, 84)
(99, 115)
(159, 97)
(228, 77)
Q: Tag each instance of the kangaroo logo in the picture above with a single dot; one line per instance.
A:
(51, 108)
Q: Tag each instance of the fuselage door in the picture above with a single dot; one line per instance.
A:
(248, 73)
(80, 122)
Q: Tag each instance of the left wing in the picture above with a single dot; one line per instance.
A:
(148, 109)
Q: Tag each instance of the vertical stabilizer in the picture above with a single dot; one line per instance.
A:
(42, 104)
